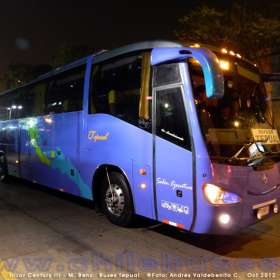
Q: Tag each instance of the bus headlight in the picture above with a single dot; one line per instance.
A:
(217, 195)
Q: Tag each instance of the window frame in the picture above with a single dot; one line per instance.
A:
(180, 84)
(187, 144)
(52, 80)
(145, 89)
(20, 91)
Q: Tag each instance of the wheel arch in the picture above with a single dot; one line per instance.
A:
(98, 176)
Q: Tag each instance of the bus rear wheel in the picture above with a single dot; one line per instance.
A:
(116, 201)
(3, 168)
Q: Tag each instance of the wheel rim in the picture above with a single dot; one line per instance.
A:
(114, 199)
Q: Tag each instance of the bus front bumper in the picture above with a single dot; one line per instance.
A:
(231, 219)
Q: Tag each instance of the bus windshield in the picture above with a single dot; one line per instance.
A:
(240, 124)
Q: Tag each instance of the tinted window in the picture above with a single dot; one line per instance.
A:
(65, 92)
(171, 117)
(39, 92)
(116, 88)
(3, 110)
(4, 114)
(167, 74)
(24, 102)
(8, 106)
(32, 100)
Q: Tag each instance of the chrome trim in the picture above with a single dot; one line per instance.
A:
(270, 202)
(274, 188)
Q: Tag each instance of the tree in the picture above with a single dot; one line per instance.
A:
(240, 28)
(18, 74)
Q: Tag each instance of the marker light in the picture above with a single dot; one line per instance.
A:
(224, 219)
(224, 50)
(143, 186)
(236, 123)
(231, 52)
(238, 55)
(216, 195)
(196, 45)
(142, 171)
(224, 64)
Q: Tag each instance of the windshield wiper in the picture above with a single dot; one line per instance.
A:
(266, 155)
(236, 157)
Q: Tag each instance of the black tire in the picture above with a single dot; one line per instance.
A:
(121, 210)
(3, 168)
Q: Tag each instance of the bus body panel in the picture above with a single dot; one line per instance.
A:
(50, 153)
(25, 151)
(255, 187)
(10, 144)
(42, 150)
(174, 184)
(111, 141)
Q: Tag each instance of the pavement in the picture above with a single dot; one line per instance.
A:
(49, 235)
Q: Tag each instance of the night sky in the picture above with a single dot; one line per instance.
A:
(31, 31)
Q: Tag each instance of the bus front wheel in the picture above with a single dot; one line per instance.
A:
(3, 168)
(116, 201)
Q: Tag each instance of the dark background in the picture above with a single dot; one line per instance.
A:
(31, 31)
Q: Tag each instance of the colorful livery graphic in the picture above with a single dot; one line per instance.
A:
(181, 135)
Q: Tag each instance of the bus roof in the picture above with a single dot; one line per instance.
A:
(103, 56)
(106, 55)
(133, 48)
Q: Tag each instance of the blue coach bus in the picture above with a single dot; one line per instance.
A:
(154, 129)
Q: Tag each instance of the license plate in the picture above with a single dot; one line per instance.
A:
(262, 212)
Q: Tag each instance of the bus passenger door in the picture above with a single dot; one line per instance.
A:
(172, 156)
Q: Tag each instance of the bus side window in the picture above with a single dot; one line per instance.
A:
(115, 88)
(32, 100)
(171, 121)
(167, 74)
(4, 108)
(27, 102)
(39, 91)
(9, 104)
(65, 93)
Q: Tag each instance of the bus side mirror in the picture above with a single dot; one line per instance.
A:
(213, 75)
(214, 78)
